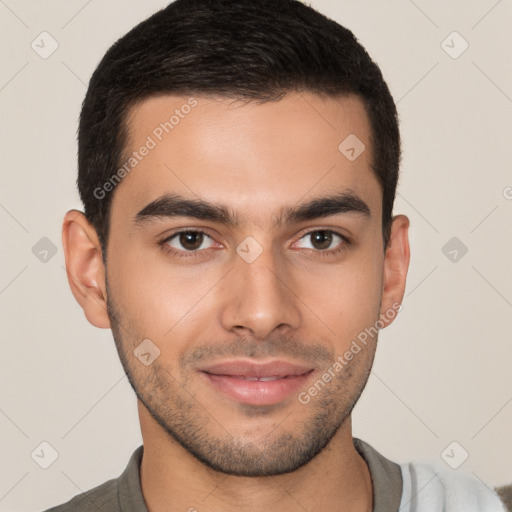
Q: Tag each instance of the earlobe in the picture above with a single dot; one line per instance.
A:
(396, 265)
(85, 268)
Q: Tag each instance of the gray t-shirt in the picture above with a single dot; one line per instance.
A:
(124, 494)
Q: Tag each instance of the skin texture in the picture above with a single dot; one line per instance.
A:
(294, 302)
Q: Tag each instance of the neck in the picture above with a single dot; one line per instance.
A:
(173, 480)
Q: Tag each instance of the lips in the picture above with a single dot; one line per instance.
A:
(256, 383)
(279, 369)
(261, 379)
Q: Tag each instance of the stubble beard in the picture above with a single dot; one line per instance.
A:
(187, 421)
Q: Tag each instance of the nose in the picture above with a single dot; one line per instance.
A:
(259, 298)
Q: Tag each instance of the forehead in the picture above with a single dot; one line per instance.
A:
(253, 157)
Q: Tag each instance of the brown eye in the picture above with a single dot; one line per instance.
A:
(321, 239)
(189, 241)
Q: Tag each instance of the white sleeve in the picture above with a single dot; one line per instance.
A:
(430, 489)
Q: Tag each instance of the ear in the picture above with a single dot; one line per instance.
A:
(396, 264)
(85, 268)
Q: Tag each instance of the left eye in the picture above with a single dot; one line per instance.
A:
(189, 241)
(322, 239)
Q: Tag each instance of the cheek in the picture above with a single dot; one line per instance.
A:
(346, 298)
(159, 299)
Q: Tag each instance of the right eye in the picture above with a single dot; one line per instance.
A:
(191, 241)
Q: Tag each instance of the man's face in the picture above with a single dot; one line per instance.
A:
(248, 314)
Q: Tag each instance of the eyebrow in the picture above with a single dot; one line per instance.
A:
(175, 205)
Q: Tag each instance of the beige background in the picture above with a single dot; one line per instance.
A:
(443, 369)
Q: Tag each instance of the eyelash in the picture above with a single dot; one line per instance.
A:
(191, 254)
(181, 254)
